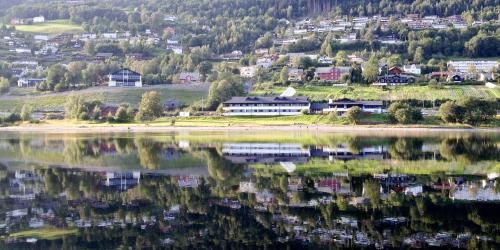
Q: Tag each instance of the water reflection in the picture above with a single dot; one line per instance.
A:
(186, 191)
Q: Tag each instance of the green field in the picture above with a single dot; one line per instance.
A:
(52, 102)
(45, 233)
(393, 93)
(51, 27)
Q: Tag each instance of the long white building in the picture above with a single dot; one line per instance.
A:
(266, 106)
(479, 66)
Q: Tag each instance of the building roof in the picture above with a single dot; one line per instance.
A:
(125, 71)
(323, 70)
(349, 101)
(268, 99)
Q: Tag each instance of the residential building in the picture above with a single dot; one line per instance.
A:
(122, 181)
(266, 106)
(103, 56)
(248, 71)
(327, 73)
(392, 79)
(39, 19)
(295, 75)
(189, 77)
(29, 82)
(478, 66)
(412, 69)
(343, 105)
(125, 78)
(264, 62)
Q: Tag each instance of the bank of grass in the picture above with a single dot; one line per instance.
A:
(391, 93)
(55, 101)
(51, 27)
(360, 167)
(46, 233)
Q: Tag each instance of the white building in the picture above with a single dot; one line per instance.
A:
(264, 62)
(412, 69)
(479, 66)
(39, 19)
(342, 106)
(266, 106)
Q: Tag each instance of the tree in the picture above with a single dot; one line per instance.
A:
(89, 47)
(341, 58)
(26, 112)
(370, 72)
(354, 114)
(418, 57)
(284, 75)
(4, 85)
(150, 106)
(224, 89)
(55, 75)
(451, 112)
(477, 111)
(74, 106)
(204, 69)
(403, 113)
(121, 114)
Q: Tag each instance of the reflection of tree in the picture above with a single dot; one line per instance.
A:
(75, 149)
(224, 172)
(149, 152)
(471, 149)
(406, 149)
(372, 191)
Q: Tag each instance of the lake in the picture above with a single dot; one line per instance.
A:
(246, 189)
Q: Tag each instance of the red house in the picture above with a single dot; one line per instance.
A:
(328, 73)
(395, 71)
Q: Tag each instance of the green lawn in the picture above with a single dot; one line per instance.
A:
(45, 233)
(113, 97)
(393, 93)
(51, 27)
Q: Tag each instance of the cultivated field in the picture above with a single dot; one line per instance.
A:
(393, 93)
(51, 27)
(186, 94)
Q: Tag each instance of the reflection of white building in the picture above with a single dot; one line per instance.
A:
(476, 192)
(264, 152)
(122, 181)
(344, 152)
(188, 181)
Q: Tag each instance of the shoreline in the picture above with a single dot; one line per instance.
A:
(143, 128)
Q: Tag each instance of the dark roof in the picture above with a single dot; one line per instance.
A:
(349, 101)
(268, 99)
(125, 71)
(319, 106)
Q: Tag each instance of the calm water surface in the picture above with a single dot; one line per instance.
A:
(249, 190)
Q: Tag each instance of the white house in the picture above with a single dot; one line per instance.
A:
(264, 62)
(412, 69)
(125, 78)
(39, 19)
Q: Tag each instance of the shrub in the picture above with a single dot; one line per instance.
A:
(451, 112)
(403, 113)
(13, 117)
(26, 112)
(354, 114)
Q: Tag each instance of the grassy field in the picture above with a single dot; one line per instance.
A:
(45, 233)
(51, 27)
(56, 101)
(393, 93)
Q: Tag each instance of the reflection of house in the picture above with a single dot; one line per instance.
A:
(475, 192)
(265, 106)
(247, 71)
(332, 186)
(188, 181)
(264, 152)
(342, 106)
(125, 78)
(122, 181)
